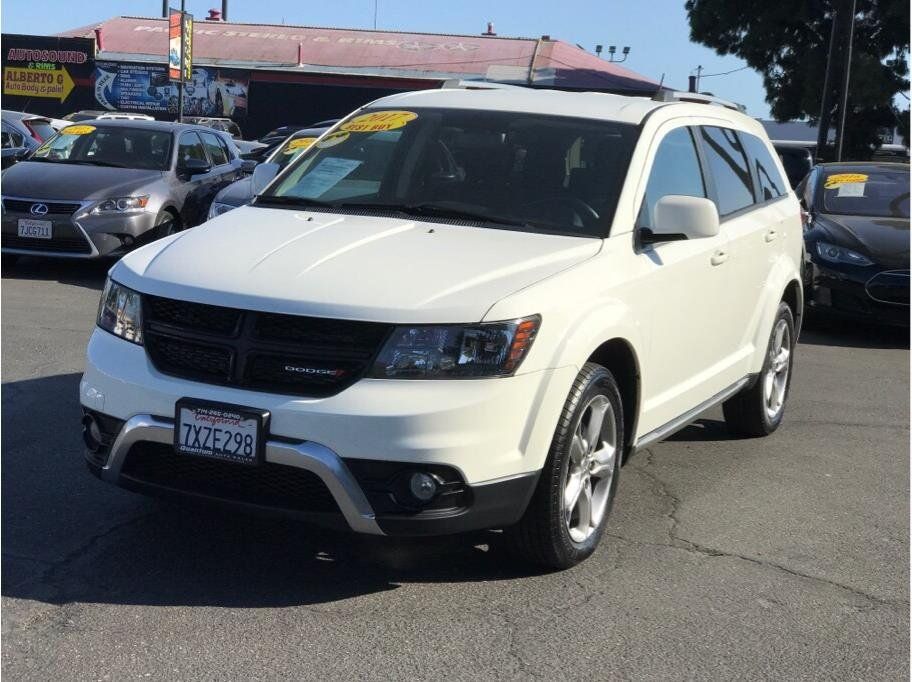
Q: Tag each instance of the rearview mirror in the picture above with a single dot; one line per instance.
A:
(194, 167)
(677, 217)
(263, 175)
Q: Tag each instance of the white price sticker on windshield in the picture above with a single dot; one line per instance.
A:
(851, 189)
(325, 176)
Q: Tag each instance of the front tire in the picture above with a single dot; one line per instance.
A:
(758, 410)
(568, 512)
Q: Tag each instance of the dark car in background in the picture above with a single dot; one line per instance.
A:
(21, 134)
(797, 159)
(857, 240)
(243, 191)
(100, 188)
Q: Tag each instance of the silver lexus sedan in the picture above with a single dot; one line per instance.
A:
(100, 188)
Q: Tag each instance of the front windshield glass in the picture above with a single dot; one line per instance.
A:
(877, 192)
(292, 149)
(120, 147)
(499, 169)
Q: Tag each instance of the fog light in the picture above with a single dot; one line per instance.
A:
(422, 486)
(91, 434)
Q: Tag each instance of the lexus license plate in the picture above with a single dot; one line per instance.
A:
(35, 229)
(218, 431)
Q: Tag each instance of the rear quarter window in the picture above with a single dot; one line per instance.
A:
(770, 183)
(729, 169)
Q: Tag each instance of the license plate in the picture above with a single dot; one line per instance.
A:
(218, 431)
(35, 229)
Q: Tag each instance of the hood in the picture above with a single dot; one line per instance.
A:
(884, 240)
(237, 193)
(349, 267)
(73, 182)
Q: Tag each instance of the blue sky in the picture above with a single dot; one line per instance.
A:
(656, 30)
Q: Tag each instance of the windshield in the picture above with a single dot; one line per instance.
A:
(108, 146)
(291, 149)
(877, 192)
(500, 169)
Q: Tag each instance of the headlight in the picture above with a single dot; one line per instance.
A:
(217, 209)
(839, 254)
(121, 205)
(120, 312)
(456, 351)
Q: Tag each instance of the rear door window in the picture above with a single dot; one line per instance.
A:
(215, 148)
(729, 169)
(770, 184)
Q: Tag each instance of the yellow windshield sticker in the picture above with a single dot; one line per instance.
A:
(299, 144)
(78, 130)
(838, 179)
(332, 139)
(379, 121)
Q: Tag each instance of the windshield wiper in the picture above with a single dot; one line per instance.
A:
(285, 200)
(433, 211)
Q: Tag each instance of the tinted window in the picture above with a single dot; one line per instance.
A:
(730, 172)
(190, 148)
(867, 191)
(675, 170)
(771, 184)
(215, 148)
(108, 146)
(40, 128)
(504, 169)
(11, 138)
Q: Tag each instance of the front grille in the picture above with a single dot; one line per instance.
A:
(890, 287)
(266, 485)
(53, 245)
(54, 207)
(288, 354)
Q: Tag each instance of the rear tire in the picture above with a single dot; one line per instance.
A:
(166, 225)
(569, 509)
(758, 410)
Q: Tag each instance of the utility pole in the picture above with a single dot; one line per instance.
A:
(180, 83)
(849, 7)
(375, 14)
(826, 96)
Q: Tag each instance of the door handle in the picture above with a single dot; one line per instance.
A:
(719, 257)
(770, 235)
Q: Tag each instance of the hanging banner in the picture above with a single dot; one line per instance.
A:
(187, 34)
(147, 88)
(174, 45)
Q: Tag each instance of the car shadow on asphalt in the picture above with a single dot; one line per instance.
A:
(76, 272)
(70, 537)
(820, 331)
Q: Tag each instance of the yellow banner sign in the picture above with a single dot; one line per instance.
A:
(52, 83)
(378, 121)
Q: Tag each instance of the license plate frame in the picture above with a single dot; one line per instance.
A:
(27, 228)
(226, 414)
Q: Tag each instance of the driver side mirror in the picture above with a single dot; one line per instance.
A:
(677, 217)
(248, 166)
(191, 167)
(263, 174)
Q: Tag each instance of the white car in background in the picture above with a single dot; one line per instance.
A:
(458, 309)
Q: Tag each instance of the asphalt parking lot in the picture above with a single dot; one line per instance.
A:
(786, 557)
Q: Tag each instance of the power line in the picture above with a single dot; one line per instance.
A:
(725, 73)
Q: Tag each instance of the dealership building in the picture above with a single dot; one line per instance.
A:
(264, 75)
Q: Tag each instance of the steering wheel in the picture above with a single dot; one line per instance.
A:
(583, 214)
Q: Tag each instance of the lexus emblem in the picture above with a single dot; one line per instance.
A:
(38, 209)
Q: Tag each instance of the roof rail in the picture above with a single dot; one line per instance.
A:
(465, 84)
(665, 95)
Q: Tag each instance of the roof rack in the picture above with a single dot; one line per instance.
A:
(466, 84)
(665, 95)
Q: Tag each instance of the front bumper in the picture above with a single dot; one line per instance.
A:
(859, 293)
(78, 234)
(492, 434)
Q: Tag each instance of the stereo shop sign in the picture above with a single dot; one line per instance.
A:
(45, 67)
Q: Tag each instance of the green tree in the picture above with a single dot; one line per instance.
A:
(787, 42)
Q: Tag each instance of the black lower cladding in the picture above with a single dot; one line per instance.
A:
(268, 485)
(108, 427)
(279, 353)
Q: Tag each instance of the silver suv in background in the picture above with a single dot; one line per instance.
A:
(102, 187)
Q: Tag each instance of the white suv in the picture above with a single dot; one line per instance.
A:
(459, 309)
